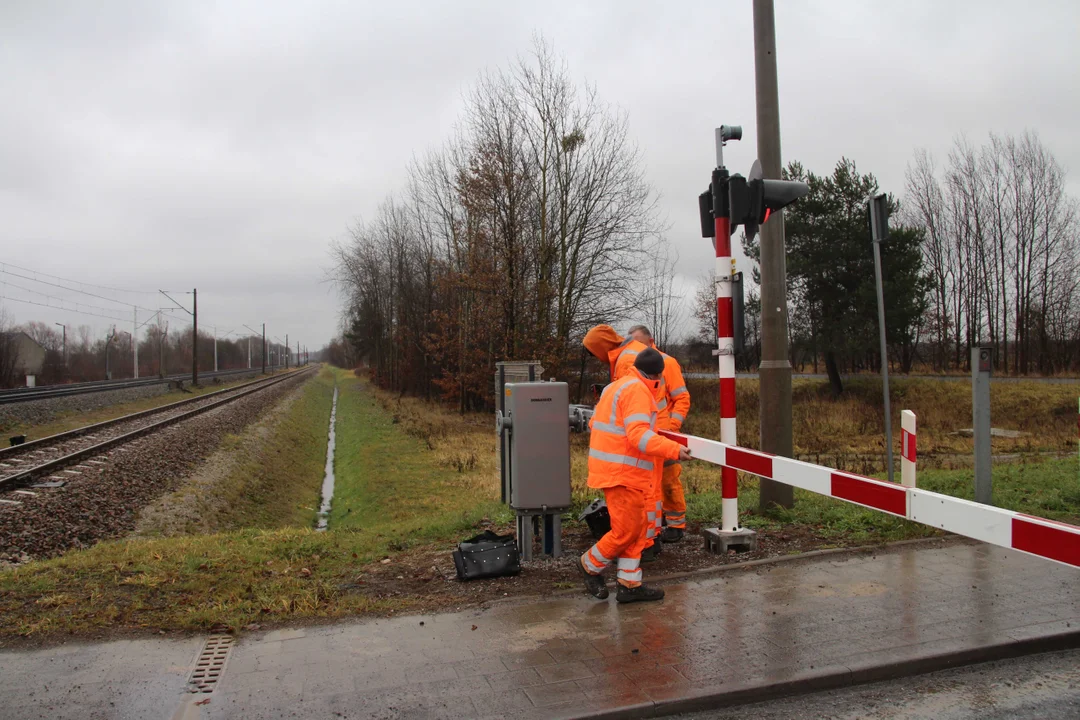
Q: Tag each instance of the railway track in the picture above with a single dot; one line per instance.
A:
(16, 395)
(51, 462)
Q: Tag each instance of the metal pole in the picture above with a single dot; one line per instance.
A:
(286, 351)
(775, 370)
(980, 410)
(195, 337)
(65, 342)
(134, 338)
(884, 358)
(264, 348)
(249, 352)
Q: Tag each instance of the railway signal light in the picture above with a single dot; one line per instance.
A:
(754, 199)
(751, 200)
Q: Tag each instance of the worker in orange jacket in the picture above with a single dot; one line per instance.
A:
(673, 402)
(624, 451)
(608, 346)
(620, 353)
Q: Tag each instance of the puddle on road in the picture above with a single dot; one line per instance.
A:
(328, 478)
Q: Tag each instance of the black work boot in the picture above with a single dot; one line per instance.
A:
(673, 535)
(641, 593)
(657, 546)
(594, 584)
(648, 555)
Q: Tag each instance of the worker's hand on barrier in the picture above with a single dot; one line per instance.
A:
(684, 453)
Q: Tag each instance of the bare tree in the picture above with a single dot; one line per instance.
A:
(1003, 245)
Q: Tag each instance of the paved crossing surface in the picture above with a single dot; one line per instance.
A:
(741, 635)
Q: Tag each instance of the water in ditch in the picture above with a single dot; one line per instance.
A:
(328, 478)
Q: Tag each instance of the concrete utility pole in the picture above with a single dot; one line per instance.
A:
(264, 348)
(215, 348)
(775, 370)
(286, 351)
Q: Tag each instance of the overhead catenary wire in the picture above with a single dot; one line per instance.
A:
(83, 312)
(81, 308)
(70, 289)
(78, 282)
(58, 299)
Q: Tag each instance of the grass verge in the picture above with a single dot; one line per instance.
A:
(405, 477)
(267, 477)
(405, 473)
(410, 476)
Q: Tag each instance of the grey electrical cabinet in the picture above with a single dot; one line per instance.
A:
(536, 419)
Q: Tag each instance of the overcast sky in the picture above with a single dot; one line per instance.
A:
(223, 145)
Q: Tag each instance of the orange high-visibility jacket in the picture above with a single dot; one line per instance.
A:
(674, 405)
(603, 342)
(624, 448)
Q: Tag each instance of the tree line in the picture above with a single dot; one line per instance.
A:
(532, 223)
(535, 220)
(1001, 246)
(162, 350)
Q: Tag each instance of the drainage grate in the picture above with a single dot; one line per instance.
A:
(211, 664)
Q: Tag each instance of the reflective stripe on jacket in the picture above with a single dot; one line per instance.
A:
(624, 447)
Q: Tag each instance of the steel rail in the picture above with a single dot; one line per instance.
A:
(45, 392)
(27, 447)
(13, 482)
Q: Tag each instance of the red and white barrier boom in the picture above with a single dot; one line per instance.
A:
(1049, 539)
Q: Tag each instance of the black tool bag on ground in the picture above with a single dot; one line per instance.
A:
(487, 555)
(597, 517)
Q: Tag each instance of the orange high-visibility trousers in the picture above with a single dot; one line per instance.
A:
(655, 511)
(674, 501)
(626, 539)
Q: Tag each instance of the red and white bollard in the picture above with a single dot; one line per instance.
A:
(907, 449)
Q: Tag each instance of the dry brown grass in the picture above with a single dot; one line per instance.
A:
(853, 424)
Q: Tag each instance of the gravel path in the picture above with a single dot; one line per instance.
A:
(103, 501)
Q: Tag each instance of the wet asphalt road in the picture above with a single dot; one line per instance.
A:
(1030, 688)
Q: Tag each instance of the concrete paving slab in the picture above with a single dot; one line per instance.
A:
(737, 636)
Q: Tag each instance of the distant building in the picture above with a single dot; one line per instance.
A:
(29, 354)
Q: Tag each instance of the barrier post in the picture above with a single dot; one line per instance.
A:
(729, 535)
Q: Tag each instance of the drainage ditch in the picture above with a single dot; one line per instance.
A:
(328, 477)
